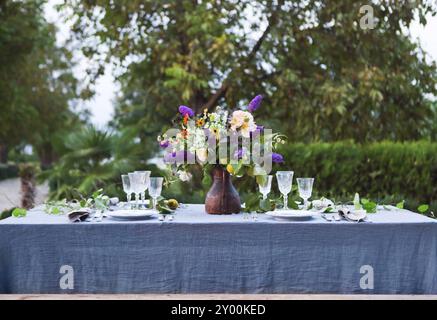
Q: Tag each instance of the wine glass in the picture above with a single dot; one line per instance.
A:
(155, 189)
(145, 180)
(127, 187)
(136, 185)
(285, 179)
(265, 185)
(305, 186)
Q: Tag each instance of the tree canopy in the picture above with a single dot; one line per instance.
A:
(323, 77)
(36, 81)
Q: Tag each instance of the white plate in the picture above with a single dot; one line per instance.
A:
(131, 214)
(290, 214)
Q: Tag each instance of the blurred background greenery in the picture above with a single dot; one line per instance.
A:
(358, 106)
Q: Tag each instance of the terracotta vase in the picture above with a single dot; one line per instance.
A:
(222, 198)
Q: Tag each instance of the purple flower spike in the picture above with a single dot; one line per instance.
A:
(277, 158)
(255, 103)
(184, 110)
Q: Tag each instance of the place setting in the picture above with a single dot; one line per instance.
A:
(138, 183)
(133, 209)
(307, 210)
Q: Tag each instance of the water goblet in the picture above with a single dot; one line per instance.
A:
(265, 185)
(136, 185)
(305, 186)
(285, 180)
(145, 179)
(155, 189)
(127, 188)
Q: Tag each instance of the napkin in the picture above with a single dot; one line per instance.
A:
(79, 215)
(352, 216)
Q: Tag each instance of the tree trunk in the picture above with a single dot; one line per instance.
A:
(46, 156)
(28, 185)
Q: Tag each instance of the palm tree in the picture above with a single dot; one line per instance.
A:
(27, 173)
(92, 159)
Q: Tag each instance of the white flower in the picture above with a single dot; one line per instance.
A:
(184, 176)
(202, 154)
(244, 121)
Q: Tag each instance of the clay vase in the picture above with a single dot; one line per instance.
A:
(222, 198)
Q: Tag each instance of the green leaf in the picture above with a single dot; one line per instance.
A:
(400, 205)
(207, 180)
(364, 201)
(423, 208)
(55, 210)
(261, 179)
(370, 207)
(19, 212)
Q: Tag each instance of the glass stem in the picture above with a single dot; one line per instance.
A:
(285, 202)
(129, 198)
(137, 195)
(154, 203)
(305, 204)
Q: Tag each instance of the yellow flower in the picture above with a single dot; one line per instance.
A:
(200, 122)
(230, 169)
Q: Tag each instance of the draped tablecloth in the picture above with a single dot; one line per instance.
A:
(201, 253)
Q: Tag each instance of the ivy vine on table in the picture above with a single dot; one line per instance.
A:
(252, 203)
(255, 203)
(97, 201)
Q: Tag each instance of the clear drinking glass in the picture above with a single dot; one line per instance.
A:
(136, 185)
(305, 186)
(155, 189)
(126, 187)
(285, 180)
(265, 186)
(145, 180)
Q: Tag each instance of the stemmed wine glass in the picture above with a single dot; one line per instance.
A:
(305, 186)
(285, 180)
(155, 189)
(136, 182)
(144, 184)
(127, 188)
(265, 186)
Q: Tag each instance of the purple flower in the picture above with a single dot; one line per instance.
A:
(184, 110)
(277, 158)
(255, 103)
(258, 130)
(178, 157)
(239, 154)
(164, 144)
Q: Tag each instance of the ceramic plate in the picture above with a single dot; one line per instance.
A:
(132, 214)
(290, 214)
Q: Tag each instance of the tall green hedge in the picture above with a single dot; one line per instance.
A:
(8, 171)
(377, 170)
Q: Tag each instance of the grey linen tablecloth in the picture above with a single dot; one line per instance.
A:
(200, 253)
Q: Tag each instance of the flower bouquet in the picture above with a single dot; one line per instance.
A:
(224, 144)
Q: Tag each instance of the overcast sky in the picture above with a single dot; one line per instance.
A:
(101, 106)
